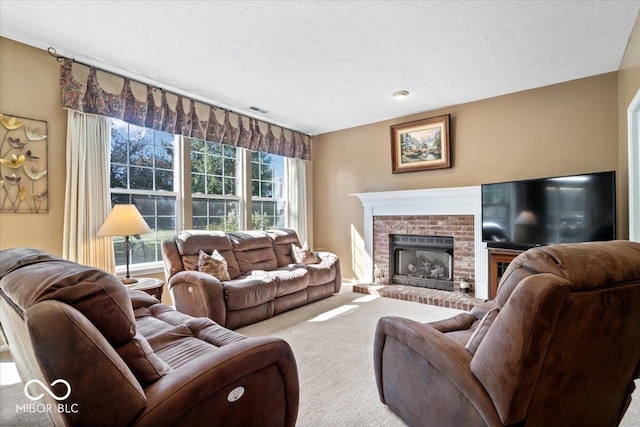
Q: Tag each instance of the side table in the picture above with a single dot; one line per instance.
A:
(149, 285)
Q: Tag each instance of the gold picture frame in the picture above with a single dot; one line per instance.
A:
(421, 145)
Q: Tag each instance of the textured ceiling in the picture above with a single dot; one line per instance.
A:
(320, 66)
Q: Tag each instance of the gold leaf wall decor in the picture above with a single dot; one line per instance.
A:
(23, 165)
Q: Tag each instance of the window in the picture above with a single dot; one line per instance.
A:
(268, 206)
(215, 186)
(143, 166)
(231, 188)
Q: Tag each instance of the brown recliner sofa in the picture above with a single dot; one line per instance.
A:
(129, 360)
(559, 346)
(264, 279)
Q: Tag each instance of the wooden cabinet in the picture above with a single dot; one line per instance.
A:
(499, 260)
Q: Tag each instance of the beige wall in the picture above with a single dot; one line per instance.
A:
(29, 87)
(567, 128)
(628, 86)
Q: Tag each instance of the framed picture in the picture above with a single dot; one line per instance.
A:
(421, 145)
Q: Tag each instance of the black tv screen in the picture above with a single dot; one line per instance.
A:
(565, 209)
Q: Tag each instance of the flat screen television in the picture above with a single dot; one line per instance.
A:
(535, 212)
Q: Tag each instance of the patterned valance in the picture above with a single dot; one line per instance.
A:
(91, 98)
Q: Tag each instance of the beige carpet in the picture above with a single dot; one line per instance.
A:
(333, 343)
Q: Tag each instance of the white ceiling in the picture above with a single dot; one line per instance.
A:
(320, 66)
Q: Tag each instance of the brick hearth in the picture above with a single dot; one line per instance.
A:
(422, 295)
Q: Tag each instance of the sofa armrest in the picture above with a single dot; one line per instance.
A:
(437, 368)
(199, 295)
(330, 259)
(264, 367)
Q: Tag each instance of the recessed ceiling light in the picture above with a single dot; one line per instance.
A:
(400, 94)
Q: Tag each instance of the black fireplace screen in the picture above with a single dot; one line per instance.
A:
(424, 261)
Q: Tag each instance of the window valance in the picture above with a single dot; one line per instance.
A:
(91, 98)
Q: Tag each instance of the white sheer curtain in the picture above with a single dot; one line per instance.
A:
(297, 196)
(87, 199)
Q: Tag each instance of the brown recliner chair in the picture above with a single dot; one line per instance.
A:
(128, 359)
(559, 346)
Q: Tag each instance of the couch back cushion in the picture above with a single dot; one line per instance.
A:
(98, 295)
(191, 242)
(253, 250)
(586, 265)
(282, 241)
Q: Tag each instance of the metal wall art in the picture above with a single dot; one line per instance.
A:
(421, 145)
(23, 165)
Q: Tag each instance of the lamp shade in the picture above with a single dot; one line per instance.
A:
(124, 220)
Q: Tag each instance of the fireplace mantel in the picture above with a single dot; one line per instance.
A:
(440, 201)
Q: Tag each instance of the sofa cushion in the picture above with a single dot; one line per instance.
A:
(190, 243)
(213, 264)
(98, 295)
(282, 241)
(289, 280)
(249, 290)
(253, 250)
(303, 255)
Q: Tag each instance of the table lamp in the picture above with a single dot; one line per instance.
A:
(124, 220)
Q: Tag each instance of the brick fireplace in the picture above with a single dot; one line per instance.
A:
(458, 227)
(454, 212)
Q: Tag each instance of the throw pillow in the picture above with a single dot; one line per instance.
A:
(303, 255)
(214, 264)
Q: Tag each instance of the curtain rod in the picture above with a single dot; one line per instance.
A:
(60, 59)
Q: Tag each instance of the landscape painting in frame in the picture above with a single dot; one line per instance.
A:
(23, 165)
(421, 145)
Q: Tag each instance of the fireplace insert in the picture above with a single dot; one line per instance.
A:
(424, 261)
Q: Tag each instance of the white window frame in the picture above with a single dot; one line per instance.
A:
(184, 197)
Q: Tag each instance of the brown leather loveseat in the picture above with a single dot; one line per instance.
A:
(114, 357)
(263, 277)
(559, 346)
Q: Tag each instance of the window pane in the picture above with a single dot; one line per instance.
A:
(197, 162)
(164, 180)
(141, 178)
(230, 186)
(217, 208)
(166, 206)
(118, 148)
(118, 176)
(197, 145)
(199, 207)
(214, 185)
(199, 223)
(141, 154)
(164, 156)
(214, 165)
(197, 183)
(215, 149)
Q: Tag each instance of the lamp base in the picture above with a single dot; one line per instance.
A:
(129, 280)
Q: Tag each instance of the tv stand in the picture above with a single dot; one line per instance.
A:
(499, 260)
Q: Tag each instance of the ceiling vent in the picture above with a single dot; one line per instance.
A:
(258, 110)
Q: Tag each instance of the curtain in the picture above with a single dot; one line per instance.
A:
(87, 197)
(297, 197)
(156, 114)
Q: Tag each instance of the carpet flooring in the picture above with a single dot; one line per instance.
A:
(332, 340)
